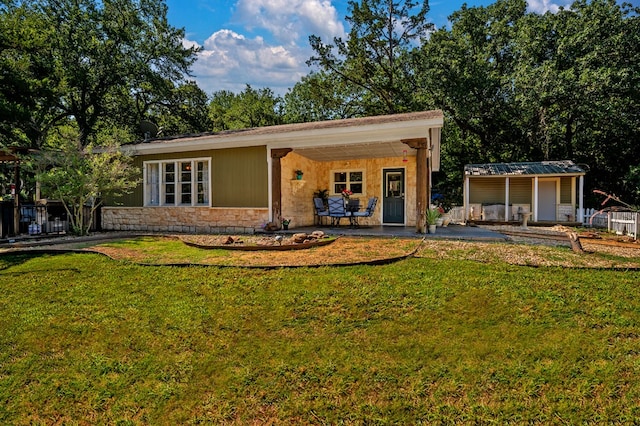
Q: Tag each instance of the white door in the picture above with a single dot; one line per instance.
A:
(547, 202)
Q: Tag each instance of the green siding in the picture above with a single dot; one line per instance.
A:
(565, 190)
(520, 191)
(239, 176)
(136, 198)
(487, 191)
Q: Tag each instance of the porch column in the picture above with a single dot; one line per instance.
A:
(16, 199)
(507, 211)
(467, 192)
(276, 184)
(581, 199)
(535, 199)
(422, 181)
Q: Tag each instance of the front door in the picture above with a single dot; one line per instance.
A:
(393, 196)
(547, 202)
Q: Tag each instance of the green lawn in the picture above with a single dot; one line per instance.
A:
(88, 340)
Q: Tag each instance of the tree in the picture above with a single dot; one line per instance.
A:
(28, 85)
(579, 85)
(322, 96)
(468, 70)
(98, 54)
(518, 86)
(375, 58)
(184, 109)
(249, 108)
(81, 179)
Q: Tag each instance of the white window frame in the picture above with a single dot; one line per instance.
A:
(348, 182)
(160, 184)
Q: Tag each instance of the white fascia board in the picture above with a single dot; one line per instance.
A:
(383, 132)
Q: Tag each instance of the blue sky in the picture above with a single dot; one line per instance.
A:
(264, 43)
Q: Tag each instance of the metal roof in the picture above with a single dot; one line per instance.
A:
(528, 168)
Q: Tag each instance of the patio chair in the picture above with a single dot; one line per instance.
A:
(337, 210)
(368, 212)
(321, 209)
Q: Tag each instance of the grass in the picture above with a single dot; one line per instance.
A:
(89, 340)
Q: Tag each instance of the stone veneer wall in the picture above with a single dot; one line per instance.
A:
(201, 220)
(297, 196)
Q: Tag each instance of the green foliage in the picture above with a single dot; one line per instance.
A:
(93, 62)
(81, 178)
(176, 110)
(322, 96)
(422, 341)
(518, 86)
(28, 84)
(249, 108)
(323, 194)
(432, 215)
(375, 58)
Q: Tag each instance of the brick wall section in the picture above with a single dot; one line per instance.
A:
(200, 220)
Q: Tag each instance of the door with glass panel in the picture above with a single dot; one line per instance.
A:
(393, 196)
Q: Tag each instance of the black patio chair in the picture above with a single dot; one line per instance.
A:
(321, 210)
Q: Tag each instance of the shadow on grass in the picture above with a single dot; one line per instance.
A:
(13, 258)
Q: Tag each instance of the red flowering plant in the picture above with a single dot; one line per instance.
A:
(346, 193)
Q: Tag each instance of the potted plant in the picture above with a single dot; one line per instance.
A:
(285, 223)
(299, 174)
(323, 194)
(446, 219)
(440, 220)
(432, 217)
(346, 193)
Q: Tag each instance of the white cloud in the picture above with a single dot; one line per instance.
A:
(543, 6)
(229, 60)
(277, 59)
(290, 21)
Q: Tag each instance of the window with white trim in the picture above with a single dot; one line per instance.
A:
(353, 180)
(183, 182)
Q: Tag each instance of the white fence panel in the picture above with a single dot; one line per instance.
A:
(591, 217)
(624, 223)
(457, 214)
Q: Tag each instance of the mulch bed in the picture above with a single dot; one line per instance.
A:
(253, 243)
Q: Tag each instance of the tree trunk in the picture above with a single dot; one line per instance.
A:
(576, 246)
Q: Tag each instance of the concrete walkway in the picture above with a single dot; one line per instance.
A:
(451, 232)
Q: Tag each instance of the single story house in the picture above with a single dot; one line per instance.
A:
(238, 181)
(549, 191)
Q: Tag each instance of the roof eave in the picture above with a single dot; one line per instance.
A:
(304, 138)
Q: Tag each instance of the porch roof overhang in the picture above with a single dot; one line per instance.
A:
(528, 169)
(368, 137)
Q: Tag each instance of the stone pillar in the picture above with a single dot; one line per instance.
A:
(276, 185)
(421, 145)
